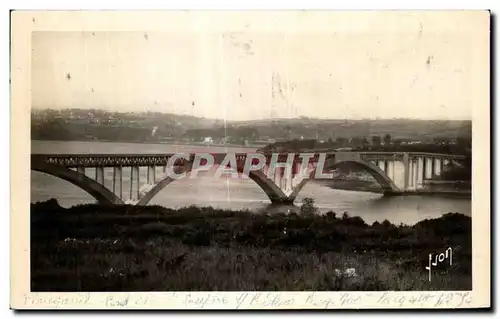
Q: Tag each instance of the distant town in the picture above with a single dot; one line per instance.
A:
(155, 127)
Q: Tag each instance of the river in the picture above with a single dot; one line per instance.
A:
(236, 193)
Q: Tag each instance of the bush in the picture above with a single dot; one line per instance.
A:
(308, 207)
(387, 224)
(356, 221)
(198, 238)
(331, 215)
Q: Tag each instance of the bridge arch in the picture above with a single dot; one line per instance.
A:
(96, 190)
(273, 192)
(388, 186)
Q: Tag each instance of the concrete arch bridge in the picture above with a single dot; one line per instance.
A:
(280, 176)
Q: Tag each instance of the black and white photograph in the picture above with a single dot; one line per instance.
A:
(252, 153)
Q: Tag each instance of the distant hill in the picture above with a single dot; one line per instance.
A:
(397, 128)
(95, 124)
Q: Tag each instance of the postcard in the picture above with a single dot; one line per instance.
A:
(250, 159)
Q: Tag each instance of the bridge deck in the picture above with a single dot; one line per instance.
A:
(42, 155)
(113, 160)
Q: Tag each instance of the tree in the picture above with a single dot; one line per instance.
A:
(308, 206)
(288, 132)
(365, 142)
(342, 141)
(387, 139)
(357, 141)
(309, 144)
(463, 143)
(376, 140)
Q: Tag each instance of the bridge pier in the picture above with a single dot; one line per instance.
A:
(117, 181)
(429, 168)
(406, 170)
(438, 166)
(425, 168)
(391, 169)
(99, 175)
(411, 174)
(381, 165)
(420, 172)
(151, 175)
(415, 173)
(433, 167)
(134, 175)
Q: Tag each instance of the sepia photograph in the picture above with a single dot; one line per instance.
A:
(254, 153)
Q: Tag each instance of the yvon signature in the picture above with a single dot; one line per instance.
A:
(439, 259)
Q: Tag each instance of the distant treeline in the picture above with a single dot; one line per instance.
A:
(458, 145)
(55, 130)
(77, 124)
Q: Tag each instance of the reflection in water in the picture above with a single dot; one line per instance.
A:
(238, 194)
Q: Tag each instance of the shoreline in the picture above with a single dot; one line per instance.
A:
(358, 185)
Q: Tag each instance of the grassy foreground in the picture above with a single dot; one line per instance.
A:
(126, 248)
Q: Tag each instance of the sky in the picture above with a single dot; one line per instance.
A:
(349, 65)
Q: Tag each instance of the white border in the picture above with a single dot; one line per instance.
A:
(258, 4)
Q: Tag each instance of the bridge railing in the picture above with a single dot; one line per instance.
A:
(106, 160)
(91, 160)
(425, 154)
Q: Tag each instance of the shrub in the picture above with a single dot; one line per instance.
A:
(387, 224)
(356, 221)
(308, 207)
(331, 215)
(198, 238)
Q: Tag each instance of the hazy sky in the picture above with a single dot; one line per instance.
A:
(357, 65)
